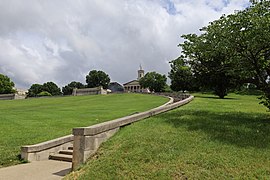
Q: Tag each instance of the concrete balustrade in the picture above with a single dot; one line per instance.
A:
(88, 139)
(7, 96)
(42, 151)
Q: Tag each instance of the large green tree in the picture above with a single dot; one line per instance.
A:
(234, 49)
(181, 76)
(68, 89)
(34, 90)
(97, 78)
(154, 81)
(248, 35)
(6, 85)
(51, 88)
(209, 58)
(208, 61)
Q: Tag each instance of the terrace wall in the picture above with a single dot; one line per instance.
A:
(86, 140)
(88, 91)
(7, 96)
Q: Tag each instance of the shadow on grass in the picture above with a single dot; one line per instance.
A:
(239, 129)
(214, 97)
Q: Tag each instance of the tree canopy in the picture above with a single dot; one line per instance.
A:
(49, 87)
(181, 76)
(6, 85)
(34, 90)
(97, 78)
(68, 89)
(232, 50)
(154, 81)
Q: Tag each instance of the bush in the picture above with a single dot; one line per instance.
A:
(249, 89)
(44, 93)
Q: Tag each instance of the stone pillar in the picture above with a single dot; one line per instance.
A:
(74, 92)
(85, 145)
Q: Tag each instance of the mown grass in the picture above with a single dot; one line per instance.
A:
(209, 138)
(31, 121)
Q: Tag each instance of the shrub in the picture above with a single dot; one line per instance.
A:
(44, 93)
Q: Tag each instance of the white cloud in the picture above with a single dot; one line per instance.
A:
(62, 41)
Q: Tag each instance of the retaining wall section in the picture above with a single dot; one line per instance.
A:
(7, 96)
(88, 139)
(42, 151)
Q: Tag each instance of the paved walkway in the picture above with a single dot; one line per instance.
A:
(38, 170)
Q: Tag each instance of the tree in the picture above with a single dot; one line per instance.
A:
(208, 60)
(181, 76)
(6, 85)
(48, 87)
(97, 78)
(34, 90)
(68, 89)
(234, 49)
(51, 88)
(249, 37)
(154, 81)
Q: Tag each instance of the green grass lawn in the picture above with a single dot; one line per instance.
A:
(31, 121)
(209, 138)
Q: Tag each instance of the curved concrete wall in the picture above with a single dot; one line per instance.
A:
(86, 140)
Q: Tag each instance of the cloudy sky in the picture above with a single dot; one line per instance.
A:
(61, 41)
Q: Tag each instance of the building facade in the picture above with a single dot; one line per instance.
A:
(134, 85)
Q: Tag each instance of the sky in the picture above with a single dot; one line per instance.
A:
(61, 41)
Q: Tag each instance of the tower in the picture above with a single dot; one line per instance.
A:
(140, 72)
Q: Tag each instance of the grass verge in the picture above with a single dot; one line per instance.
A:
(31, 121)
(209, 138)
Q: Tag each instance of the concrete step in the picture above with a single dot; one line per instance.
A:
(70, 148)
(68, 152)
(61, 157)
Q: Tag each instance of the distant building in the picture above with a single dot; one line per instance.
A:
(21, 92)
(134, 85)
(115, 87)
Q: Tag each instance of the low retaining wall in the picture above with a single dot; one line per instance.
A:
(11, 96)
(7, 96)
(177, 96)
(89, 91)
(88, 139)
(42, 151)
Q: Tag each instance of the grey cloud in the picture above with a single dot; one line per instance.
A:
(62, 41)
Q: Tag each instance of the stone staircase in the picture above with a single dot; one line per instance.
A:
(63, 155)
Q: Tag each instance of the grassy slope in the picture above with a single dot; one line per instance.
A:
(35, 120)
(206, 139)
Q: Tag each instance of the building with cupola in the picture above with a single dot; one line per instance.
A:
(134, 85)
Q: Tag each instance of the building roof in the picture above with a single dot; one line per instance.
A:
(133, 82)
(115, 83)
